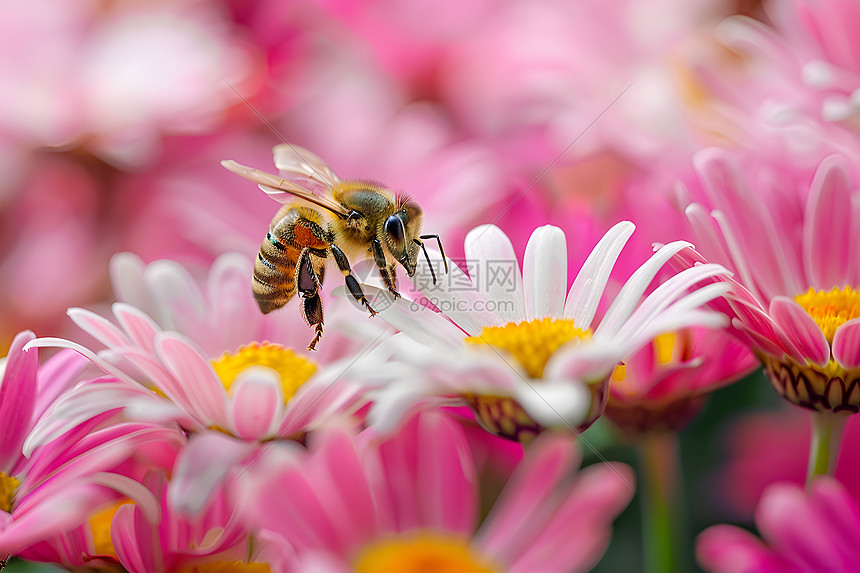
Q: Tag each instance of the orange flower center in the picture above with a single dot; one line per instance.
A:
(423, 553)
(533, 342)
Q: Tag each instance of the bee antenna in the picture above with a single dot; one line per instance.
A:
(426, 256)
(441, 250)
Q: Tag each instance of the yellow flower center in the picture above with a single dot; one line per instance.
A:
(227, 567)
(294, 370)
(423, 553)
(8, 487)
(830, 309)
(100, 525)
(664, 351)
(531, 342)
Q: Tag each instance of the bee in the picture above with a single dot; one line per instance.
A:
(325, 217)
(5, 562)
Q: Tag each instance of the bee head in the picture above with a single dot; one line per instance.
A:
(401, 229)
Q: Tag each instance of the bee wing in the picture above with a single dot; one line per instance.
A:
(283, 190)
(297, 162)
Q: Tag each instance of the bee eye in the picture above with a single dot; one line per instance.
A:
(394, 228)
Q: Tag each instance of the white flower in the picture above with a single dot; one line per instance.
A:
(513, 347)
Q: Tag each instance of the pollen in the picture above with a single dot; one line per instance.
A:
(420, 554)
(293, 369)
(8, 487)
(100, 525)
(533, 342)
(830, 309)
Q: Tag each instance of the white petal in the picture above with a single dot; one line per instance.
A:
(588, 287)
(545, 273)
(419, 323)
(179, 300)
(672, 290)
(495, 271)
(555, 404)
(127, 272)
(456, 296)
(628, 298)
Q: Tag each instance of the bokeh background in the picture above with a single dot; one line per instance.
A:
(115, 114)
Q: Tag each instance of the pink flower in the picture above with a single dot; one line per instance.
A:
(664, 385)
(351, 501)
(802, 531)
(804, 65)
(170, 540)
(231, 402)
(49, 492)
(792, 244)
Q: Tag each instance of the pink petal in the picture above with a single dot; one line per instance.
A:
(206, 395)
(447, 483)
(99, 328)
(56, 375)
(828, 230)
(800, 329)
(523, 501)
(794, 529)
(343, 488)
(133, 542)
(577, 534)
(747, 225)
(281, 498)
(61, 512)
(839, 510)
(846, 344)
(201, 468)
(17, 399)
(730, 549)
(139, 327)
(708, 238)
(257, 403)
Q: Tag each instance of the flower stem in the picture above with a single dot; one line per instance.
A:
(662, 531)
(827, 430)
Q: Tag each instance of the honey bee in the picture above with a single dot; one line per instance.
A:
(326, 217)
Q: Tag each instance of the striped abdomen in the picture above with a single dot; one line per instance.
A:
(292, 230)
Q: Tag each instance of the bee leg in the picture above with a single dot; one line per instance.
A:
(389, 276)
(308, 285)
(312, 312)
(351, 283)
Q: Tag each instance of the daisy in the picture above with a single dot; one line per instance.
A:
(49, 492)
(408, 503)
(793, 244)
(512, 346)
(214, 540)
(228, 404)
(664, 385)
